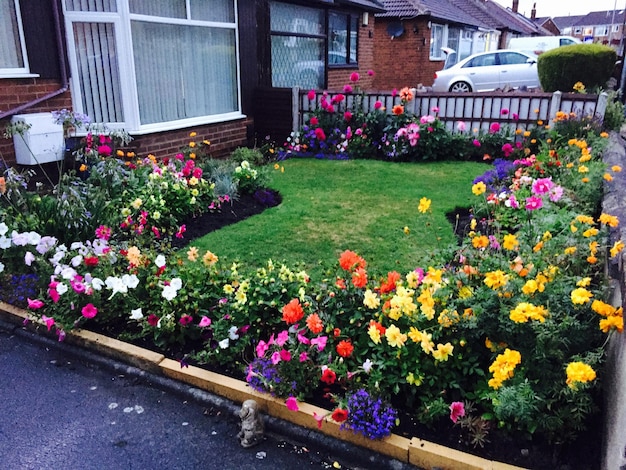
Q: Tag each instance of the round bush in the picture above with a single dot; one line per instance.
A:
(559, 69)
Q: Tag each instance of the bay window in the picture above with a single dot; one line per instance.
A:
(13, 59)
(154, 65)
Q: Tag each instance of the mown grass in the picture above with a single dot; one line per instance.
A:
(360, 205)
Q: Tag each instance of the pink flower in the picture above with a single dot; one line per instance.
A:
(105, 150)
(275, 358)
(347, 115)
(457, 410)
(495, 127)
(314, 121)
(292, 404)
(434, 109)
(515, 116)
(507, 149)
(262, 348)
(285, 355)
(320, 342)
(347, 88)
(35, 304)
(89, 311)
(103, 232)
(354, 77)
(378, 104)
(49, 321)
(461, 126)
(181, 230)
(319, 419)
(370, 73)
(319, 133)
(61, 335)
(533, 203)
(394, 92)
(542, 186)
(54, 295)
(476, 143)
(303, 339)
(311, 95)
(303, 357)
(556, 193)
(185, 319)
(78, 287)
(204, 322)
(504, 112)
(282, 338)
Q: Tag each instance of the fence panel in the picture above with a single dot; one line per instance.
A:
(477, 110)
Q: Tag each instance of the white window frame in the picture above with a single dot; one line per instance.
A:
(19, 72)
(602, 30)
(438, 55)
(121, 20)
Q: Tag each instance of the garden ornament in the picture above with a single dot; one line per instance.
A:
(251, 424)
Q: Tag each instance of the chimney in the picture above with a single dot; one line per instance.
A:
(533, 12)
(515, 6)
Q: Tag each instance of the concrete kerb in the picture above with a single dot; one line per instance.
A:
(394, 452)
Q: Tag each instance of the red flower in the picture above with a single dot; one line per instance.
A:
(345, 348)
(314, 323)
(328, 376)
(392, 278)
(185, 320)
(319, 133)
(153, 320)
(359, 278)
(314, 121)
(292, 312)
(339, 415)
(349, 261)
(91, 260)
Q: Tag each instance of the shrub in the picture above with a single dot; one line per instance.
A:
(561, 68)
(253, 156)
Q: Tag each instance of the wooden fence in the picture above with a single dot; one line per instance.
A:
(477, 110)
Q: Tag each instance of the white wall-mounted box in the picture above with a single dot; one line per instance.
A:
(42, 143)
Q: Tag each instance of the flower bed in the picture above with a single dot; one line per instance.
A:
(502, 335)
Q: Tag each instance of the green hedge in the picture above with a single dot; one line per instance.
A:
(592, 64)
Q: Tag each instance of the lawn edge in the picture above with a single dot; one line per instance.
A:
(414, 451)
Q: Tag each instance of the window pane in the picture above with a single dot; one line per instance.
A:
(10, 46)
(184, 71)
(216, 10)
(91, 5)
(164, 8)
(98, 70)
(436, 41)
(296, 19)
(337, 38)
(354, 35)
(297, 62)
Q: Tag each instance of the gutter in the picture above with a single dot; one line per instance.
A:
(65, 84)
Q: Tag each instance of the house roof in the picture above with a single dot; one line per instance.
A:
(567, 21)
(512, 21)
(601, 18)
(445, 10)
(369, 5)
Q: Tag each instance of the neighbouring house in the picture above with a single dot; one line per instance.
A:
(603, 27)
(160, 69)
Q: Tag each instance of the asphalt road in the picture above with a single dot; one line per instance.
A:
(64, 407)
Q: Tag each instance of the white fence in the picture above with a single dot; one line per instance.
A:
(477, 110)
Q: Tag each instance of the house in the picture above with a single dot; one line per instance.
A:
(160, 71)
(411, 36)
(603, 27)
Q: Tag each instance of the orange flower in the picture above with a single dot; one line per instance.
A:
(314, 323)
(340, 283)
(406, 94)
(345, 348)
(392, 278)
(292, 312)
(398, 110)
(3, 185)
(337, 332)
(359, 278)
(349, 261)
(378, 326)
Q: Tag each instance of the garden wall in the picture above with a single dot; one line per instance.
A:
(614, 456)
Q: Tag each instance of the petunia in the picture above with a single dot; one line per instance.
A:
(49, 321)
(136, 314)
(35, 304)
(29, 258)
(204, 322)
(89, 311)
(457, 410)
(292, 404)
(319, 419)
(320, 342)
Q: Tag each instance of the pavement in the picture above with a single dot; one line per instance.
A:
(64, 407)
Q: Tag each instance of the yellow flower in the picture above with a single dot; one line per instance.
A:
(604, 135)
(481, 241)
(584, 282)
(193, 181)
(136, 204)
(192, 254)
(602, 308)
(370, 299)
(525, 311)
(192, 155)
(546, 236)
(240, 296)
(613, 322)
(592, 232)
(412, 380)
(192, 134)
(479, 188)
(83, 167)
(406, 230)
(607, 177)
(530, 287)
(192, 144)
(581, 296)
(424, 205)
(510, 242)
(585, 180)
(583, 169)
(374, 334)
(610, 220)
(276, 166)
(503, 367)
(570, 250)
(496, 279)
(228, 289)
(579, 372)
(618, 246)
(209, 259)
(395, 337)
(443, 352)
(616, 168)
(134, 255)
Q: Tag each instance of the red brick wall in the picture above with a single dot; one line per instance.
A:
(403, 61)
(337, 78)
(16, 92)
(224, 137)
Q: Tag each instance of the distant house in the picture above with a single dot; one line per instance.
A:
(163, 69)
(602, 27)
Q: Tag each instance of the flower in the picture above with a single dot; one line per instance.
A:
(354, 77)
(136, 314)
(89, 311)
(35, 304)
(345, 348)
(314, 323)
(479, 188)
(292, 404)
(328, 376)
(293, 312)
(457, 410)
(339, 415)
(580, 296)
(369, 416)
(578, 372)
(424, 205)
(395, 337)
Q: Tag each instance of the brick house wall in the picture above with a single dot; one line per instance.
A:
(337, 78)
(403, 61)
(16, 92)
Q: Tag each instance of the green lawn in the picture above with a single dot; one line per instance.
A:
(359, 205)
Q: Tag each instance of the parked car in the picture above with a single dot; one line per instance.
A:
(487, 71)
(540, 44)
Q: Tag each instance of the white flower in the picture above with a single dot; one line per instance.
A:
(19, 239)
(97, 283)
(130, 280)
(116, 285)
(45, 244)
(29, 258)
(176, 283)
(232, 333)
(169, 292)
(3, 229)
(159, 261)
(224, 343)
(67, 272)
(76, 246)
(136, 314)
(1, 267)
(5, 242)
(33, 238)
(367, 366)
(61, 288)
(76, 260)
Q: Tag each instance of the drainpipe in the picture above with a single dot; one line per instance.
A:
(65, 85)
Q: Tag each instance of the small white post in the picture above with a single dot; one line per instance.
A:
(603, 101)
(555, 105)
(295, 108)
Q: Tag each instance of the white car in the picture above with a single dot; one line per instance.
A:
(488, 71)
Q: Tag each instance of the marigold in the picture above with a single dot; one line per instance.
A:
(345, 348)
(579, 372)
(510, 242)
(503, 367)
(496, 279)
(314, 323)
(613, 322)
(581, 296)
(602, 308)
(481, 241)
(618, 246)
(292, 312)
(610, 220)
(525, 311)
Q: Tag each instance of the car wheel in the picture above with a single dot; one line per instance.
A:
(460, 87)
